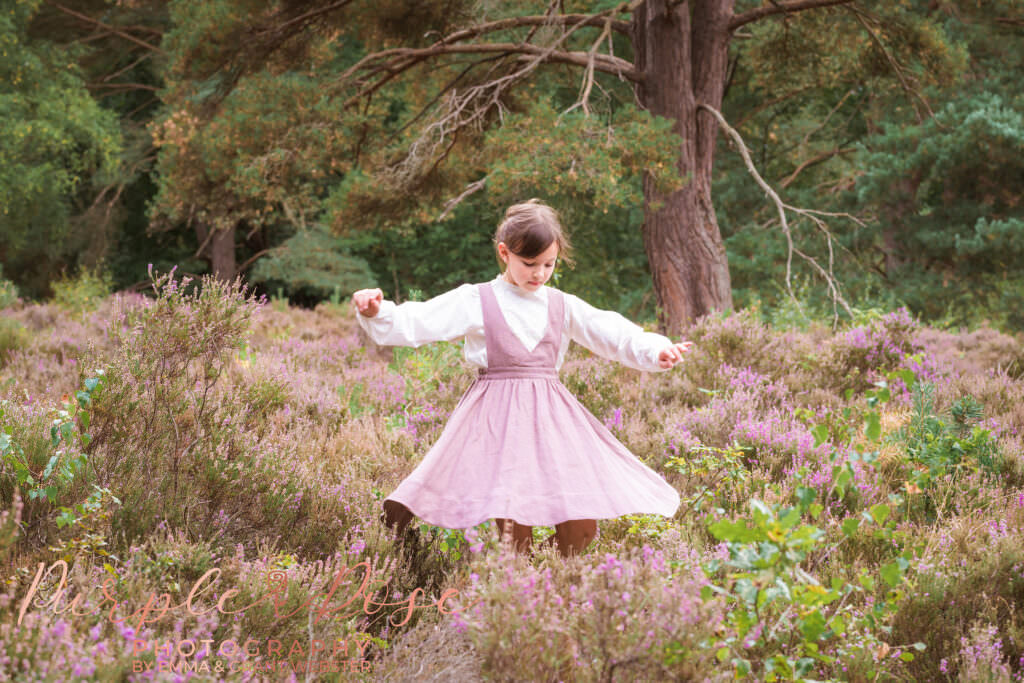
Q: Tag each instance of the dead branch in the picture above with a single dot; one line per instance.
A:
(112, 29)
(813, 161)
(594, 20)
(398, 60)
(312, 14)
(780, 8)
(896, 67)
(588, 76)
(814, 216)
(468, 108)
(252, 259)
(115, 74)
(123, 86)
(472, 188)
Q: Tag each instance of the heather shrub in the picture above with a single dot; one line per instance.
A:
(738, 339)
(13, 337)
(161, 427)
(435, 652)
(266, 439)
(853, 359)
(981, 658)
(638, 617)
(975, 352)
(595, 383)
(971, 567)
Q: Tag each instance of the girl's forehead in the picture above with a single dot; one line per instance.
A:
(549, 253)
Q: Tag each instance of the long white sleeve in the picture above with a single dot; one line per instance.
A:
(612, 336)
(446, 317)
(458, 314)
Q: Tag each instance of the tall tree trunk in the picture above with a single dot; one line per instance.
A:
(683, 53)
(219, 251)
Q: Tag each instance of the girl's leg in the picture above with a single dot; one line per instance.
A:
(575, 535)
(397, 516)
(522, 536)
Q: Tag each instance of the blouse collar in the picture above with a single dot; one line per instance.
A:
(539, 293)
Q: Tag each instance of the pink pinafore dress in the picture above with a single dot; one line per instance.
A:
(520, 446)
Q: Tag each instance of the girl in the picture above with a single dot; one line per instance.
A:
(519, 447)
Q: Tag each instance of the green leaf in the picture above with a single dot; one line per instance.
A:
(907, 656)
(891, 574)
(908, 376)
(879, 513)
(736, 532)
(820, 434)
(741, 666)
(50, 465)
(805, 496)
(812, 626)
(850, 526)
(91, 383)
(873, 428)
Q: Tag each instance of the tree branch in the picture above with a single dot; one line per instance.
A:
(595, 20)
(768, 10)
(896, 67)
(412, 56)
(307, 16)
(259, 254)
(814, 216)
(588, 78)
(472, 188)
(397, 60)
(813, 161)
(100, 24)
(123, 86)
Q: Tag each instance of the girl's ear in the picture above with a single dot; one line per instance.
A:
(503, 252)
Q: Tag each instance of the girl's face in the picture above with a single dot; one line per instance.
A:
(529, 273)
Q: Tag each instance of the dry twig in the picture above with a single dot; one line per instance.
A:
(816, 217)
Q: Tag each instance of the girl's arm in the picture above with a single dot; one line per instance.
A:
(612, 336)
(414, 323)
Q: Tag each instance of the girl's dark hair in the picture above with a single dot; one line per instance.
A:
(531, 227)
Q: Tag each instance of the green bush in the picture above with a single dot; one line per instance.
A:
(8, 293)
(83, 292)
(12, 338)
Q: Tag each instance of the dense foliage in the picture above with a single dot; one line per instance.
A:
(235, 119)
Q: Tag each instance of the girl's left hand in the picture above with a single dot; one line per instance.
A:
(673, 354)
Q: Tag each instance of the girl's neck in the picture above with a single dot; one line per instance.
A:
(516, 288)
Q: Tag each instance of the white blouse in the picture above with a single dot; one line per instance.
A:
(458, 313)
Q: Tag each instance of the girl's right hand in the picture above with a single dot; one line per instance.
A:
(367, 301)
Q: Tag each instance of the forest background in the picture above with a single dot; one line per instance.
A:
(225, 137)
